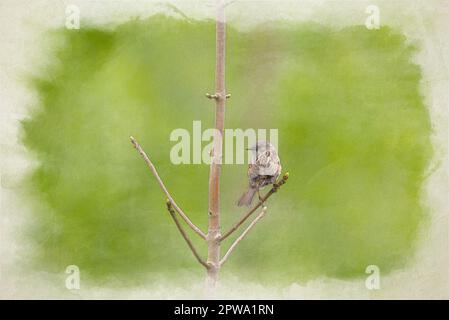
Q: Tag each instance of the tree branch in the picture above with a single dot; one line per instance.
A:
(184, 234)
(275, 187)
(214, 226)
(244, 233)
(164, 189)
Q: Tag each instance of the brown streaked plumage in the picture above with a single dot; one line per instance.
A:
(264, 170)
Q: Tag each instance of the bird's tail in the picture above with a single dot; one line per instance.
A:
(247, 197)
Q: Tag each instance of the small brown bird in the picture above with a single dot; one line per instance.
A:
(263, 170)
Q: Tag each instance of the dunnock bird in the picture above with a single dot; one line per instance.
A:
(263, 170)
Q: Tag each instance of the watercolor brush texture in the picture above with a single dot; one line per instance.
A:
(354, 134)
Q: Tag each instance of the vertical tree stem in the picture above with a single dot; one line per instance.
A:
(213, 236)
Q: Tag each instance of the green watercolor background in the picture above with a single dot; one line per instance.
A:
(353, 130)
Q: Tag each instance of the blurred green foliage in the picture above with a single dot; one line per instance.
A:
(353, 133)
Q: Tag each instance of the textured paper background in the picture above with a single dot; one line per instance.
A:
(22, 24)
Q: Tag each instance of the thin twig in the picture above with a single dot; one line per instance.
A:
(164, 189)
(214, 96)
(184, 234)
(244, 233)
(275, 187)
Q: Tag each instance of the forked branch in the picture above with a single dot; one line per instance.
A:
(184, 234)
(244, 233)
(275, 188)
(164, 189)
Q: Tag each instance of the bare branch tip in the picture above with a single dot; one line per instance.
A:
(168, 204)
(133, 141)
(214, 96)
